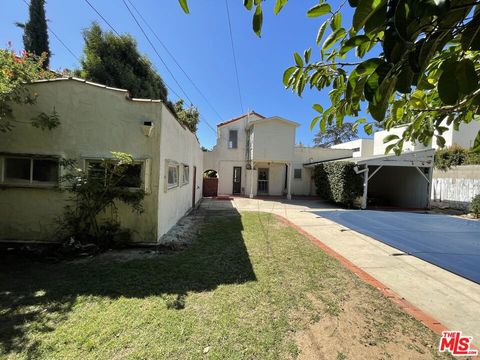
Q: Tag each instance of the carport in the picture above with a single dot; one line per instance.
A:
(396, 180)
(401, 181)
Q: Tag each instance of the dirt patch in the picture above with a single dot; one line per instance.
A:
(366, 329)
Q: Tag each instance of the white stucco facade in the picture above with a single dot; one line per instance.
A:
(360, 147)
(269, 161)
(95, 120)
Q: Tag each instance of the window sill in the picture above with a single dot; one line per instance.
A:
(30, 186)
(171, 187)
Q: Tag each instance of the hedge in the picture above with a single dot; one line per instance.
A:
(337, 182)
(455, 156)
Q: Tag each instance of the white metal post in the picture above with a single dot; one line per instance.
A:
(365, 188)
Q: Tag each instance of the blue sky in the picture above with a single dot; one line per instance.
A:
(201, 44)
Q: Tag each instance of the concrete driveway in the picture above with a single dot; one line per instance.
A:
(449, 298)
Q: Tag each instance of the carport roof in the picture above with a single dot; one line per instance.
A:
(419, 158)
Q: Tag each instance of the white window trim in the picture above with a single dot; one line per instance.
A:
(230, 143)
(144, 174)
(30, 183)
(187, 180)
(301, 174)
(168, 164)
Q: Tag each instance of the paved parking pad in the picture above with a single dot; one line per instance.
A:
(448, 242)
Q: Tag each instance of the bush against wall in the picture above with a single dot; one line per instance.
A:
(454, 156)
(338, 182)
(475, 206)
(91, 216)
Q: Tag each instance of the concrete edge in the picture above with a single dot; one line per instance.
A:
(403, 304)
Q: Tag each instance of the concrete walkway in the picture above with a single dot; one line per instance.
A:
(451, 299)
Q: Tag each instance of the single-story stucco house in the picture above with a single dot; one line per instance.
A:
(95, 120)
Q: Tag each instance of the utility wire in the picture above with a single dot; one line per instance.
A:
(58, 38)
(106, 21)
(175, 60)
(156, 51)
(116, 33)
(234, 56)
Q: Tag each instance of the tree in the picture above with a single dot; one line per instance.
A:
(16, 72)
(415, 63)
(188, 117)
(35, 32)
(115, 61)
(333, 135)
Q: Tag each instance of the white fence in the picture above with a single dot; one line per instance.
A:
(456, 187)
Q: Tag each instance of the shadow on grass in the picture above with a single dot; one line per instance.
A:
(42, 294)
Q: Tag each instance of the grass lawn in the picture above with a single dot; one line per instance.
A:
(249, 287)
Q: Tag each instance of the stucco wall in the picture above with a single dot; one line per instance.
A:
(455, 187)
(94, 121)
(379, 147)
(365, 147)
(177, 144)
(273, 141)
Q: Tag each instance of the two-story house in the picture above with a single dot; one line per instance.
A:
(256, 155)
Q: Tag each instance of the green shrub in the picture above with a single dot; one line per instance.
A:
(454, 156)
(338, 182)
(475, 206)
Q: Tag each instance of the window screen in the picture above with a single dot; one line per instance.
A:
(232, 139)
(297, 173)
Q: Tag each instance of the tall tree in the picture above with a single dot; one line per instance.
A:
(333, 135)
(115, 61)
(406, 62)
(187, 116)
(35, 31)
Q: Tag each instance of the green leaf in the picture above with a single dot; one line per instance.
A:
(287, 74)
(364, 11)
(184, 5)
(319, 10)
(336, 21)
(353, 42)
(389, 148)
(298, 59)
(333, 38)
(467, 78)
(358, 122)
(306, 55)
(279, 4)
(314, 122)
(440, 141)
(375, 80)
(378, 108)
(447, 83)
(318, 108)
(321, 31)
(390, 137)
(258, 20)
(376, 21)
(248, 4)
(476, 144)
(368, 128)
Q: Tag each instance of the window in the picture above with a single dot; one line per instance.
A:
(23, 170)
(186, 174)
(131, 177)
(172, 176)
(232, 139)
(297, 173)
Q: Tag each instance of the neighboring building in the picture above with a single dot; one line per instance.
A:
(95, 120)
(255, 155)
(360, 147)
